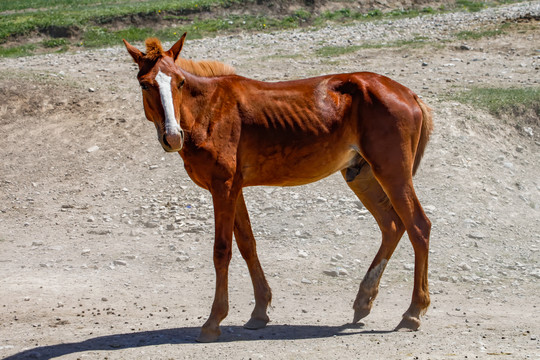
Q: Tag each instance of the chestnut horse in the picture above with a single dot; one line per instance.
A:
(233, 132)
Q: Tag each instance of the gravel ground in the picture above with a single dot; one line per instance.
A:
(106, 243)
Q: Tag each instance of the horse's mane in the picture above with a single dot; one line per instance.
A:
(205, 68)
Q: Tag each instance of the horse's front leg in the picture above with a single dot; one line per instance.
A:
(224, 210)
(248, 249)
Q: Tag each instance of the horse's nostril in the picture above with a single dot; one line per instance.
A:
(165, 142)
(172, 142)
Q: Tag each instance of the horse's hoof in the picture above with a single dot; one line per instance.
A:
(408, 323)
(360, 314)
(207, 335)
(254, 324)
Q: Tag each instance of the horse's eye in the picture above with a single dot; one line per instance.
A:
(144, 86)
(181, 83)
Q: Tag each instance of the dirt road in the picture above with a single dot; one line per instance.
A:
(106, 243)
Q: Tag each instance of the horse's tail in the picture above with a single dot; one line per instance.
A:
(425, 132)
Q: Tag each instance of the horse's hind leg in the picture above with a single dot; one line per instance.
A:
(402, 195)
(246, 244)
(360, 179)
(395, 177)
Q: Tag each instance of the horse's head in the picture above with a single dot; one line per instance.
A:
(161, 83)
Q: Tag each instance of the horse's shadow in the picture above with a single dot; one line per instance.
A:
(187, 335)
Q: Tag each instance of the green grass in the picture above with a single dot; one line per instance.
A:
(96, 23)
(487, 33)
(475, 35)
(512, 102)
(472, 6)
(18, 51)
(331, 51)
(349, 15)
(98, 36)
(77, 14)
(54, 43)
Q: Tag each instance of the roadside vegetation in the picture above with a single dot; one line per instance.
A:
(520, 105)
(43, 26)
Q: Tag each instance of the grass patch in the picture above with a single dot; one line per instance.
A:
(488, 33)
(349, 15)
(18, 51)
(332, 51)
(97, 23)
(99, 36)
(472, 6)
(23, 17)
(521, 103)
(54, 43)
(475, 35)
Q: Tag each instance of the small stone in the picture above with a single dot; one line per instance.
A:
(332, 273)
(37, 243)
(104, 299)
(92, 149)
(306, 281)
(508, 165)
(85, 252)
(91, 90)
(476, 235)
(430, 209)
(343, 272)
(119, 262)
(135, 232)
(464, 266)
(528, 130)
(302, 254)
(182, 258)
(465, 47)
(535, 273)
(408, 266)
(424, 63)
(153, 167)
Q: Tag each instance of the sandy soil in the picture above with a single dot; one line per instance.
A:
(106, 243)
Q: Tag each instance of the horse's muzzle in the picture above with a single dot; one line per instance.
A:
(173, 141)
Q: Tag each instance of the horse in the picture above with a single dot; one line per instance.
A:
(233, 132)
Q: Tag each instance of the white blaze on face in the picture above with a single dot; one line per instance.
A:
(165, 92)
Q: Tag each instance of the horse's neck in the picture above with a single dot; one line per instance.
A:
(196, 97)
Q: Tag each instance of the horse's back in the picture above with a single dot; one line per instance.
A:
(297, 132)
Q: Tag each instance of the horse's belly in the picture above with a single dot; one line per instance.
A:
(285, 168)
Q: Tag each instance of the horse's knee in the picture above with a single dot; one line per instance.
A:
(422, 233)
(222, 255)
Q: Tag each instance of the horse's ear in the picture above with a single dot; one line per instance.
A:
(135, 53)
(174, 51)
